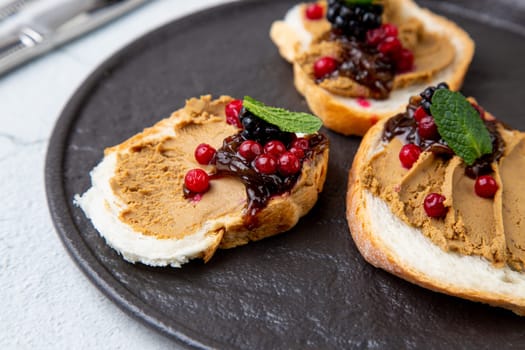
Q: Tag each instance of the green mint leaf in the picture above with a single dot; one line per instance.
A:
(282, 118)
(460, 126)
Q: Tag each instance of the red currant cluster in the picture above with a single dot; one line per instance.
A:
(427, 130)
(274, 157)
(197, 180)
(385, 38)
(268, 158)
(425, 125)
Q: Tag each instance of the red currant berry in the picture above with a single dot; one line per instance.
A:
(324, 66)
(265, 164)
(434, 206)
(196, 180)
(298, 152)
(375, 36)
(409, 154)
(390, 46)
(288, 164)
(486, 186)
(419, 114)
(314, 11)
(389, 30)
(301, 143)
(275, 148)
(232, 110)
(427, 128)
(404, 61)
(249, 150)
(204, 153)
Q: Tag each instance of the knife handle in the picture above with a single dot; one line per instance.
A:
(15, 49)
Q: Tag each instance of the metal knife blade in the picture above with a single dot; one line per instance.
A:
(12, 7)
(41, 28)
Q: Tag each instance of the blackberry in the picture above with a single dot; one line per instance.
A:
(427, 94)
(249, 122)
(354, 20)
(426, 105)
(261, 131)
(272, 132)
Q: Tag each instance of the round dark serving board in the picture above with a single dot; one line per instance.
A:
(308, 288)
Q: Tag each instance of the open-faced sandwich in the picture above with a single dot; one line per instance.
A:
(358, 61)
(215, 174)
(437, 196)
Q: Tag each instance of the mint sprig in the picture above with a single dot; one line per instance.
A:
(282, 118)
(460, 125)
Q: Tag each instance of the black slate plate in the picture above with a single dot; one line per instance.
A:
(308, 288)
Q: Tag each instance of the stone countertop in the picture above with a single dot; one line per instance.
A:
(46, 301)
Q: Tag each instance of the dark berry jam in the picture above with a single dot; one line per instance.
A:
(364, 64)
(482, 166)
(405, 126)
(260, 187)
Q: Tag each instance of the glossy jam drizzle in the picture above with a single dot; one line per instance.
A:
(404, 126)
(259, 187)
(364, 64)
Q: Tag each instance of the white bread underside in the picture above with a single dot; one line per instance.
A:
(387, 242)
(102, 207)
(345, 115)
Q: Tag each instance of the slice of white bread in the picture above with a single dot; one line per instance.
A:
(347, 115)
(101, 204)
(385, 241)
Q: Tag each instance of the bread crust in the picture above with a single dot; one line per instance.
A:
(283, 212)
(372, 246)
(350, 118)
(286, 39)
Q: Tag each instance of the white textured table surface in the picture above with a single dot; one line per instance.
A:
(45, 300)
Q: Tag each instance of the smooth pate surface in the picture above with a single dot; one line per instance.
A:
(149, 177)
(492, 228)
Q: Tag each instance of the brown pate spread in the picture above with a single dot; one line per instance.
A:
(149, 178)
(491, 228)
